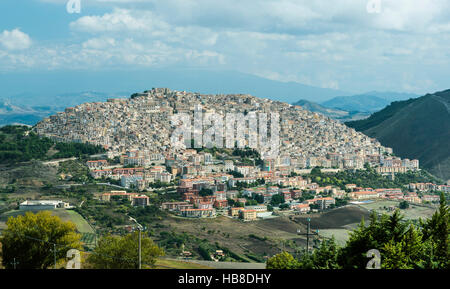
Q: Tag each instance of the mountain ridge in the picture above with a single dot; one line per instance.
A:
(415, 128)
(367, 102)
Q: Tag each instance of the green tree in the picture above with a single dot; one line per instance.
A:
(376, 235)
(403, 205)
(29, 240)
(259, 198)
(122, 252)
(284, 206)
(283, 260)
(437, 231)
(276, 200)
(205, 192)
(409, 253)
(325, 257)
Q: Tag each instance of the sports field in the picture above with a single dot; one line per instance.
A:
(65, 215)
(69, 215)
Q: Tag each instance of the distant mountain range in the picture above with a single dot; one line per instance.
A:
(58, 101)
(50, 89)
(13, 114)
(368, 102)
(44, 85)
(354, 107)
(415, 128)
(30, 108)
(338, 114)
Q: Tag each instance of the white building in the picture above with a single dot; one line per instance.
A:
(40, 205)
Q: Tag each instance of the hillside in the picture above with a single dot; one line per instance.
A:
(143, 122)
(22, 114)
(20, 144)
(337, 114)
(367, 102)
(416, 128)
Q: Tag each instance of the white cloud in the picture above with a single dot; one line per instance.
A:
(99, 43)
(118, 20)
(322, 42)
(15, 40)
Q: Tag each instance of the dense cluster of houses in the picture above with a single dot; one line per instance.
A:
(143, 125)
(359, 194)
(207, 184)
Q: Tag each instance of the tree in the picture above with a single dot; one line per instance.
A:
(284, 206)
(277, 199)
(376, 235)
(205, 192)
(259, 198)
(122, 252)
(325, 257)
(29, 240)
(403, 205)
(409, 253)
(283, 260)
(437, 231)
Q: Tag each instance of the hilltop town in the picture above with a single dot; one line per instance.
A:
(136, 133)
(113, 163)
(142, 123)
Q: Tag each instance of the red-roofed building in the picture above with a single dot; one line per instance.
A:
(363, 195)
(220, 204)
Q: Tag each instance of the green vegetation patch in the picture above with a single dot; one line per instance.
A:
(20, 144)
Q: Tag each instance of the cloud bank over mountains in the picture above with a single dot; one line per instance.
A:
(329, 44)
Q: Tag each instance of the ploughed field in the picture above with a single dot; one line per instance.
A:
(336, 223)
(262, 237)
(343, 218)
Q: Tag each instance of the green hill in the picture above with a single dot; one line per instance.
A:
(20, 144)
(337, 114)
(415, 128)
(315, 107)
(368, 102)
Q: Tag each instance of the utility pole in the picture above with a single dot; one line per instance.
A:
(14, 263)
(139, 226)
(140, 247)
(54, 254)
(308, 233)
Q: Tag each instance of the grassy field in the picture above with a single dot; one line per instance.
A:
(69, 215)
(338, 222)
(340, 235)
(342, 218)
(175, 264)
(264, 237)
(236, 235)
(66, 215)
(414, 212)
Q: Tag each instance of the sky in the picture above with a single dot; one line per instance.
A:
(349, 45)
